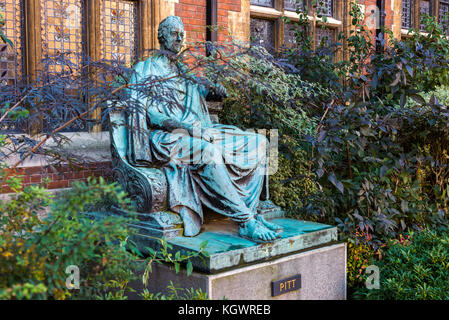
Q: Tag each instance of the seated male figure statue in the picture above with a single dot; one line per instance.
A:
(208, 165)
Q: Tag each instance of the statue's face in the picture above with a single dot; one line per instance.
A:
(174, 39)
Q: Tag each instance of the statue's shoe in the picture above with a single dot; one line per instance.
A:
(255, 231)
(269, 225)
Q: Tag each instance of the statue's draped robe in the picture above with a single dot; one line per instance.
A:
(226, 175)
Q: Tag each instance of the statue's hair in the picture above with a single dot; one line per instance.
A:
(165, 26)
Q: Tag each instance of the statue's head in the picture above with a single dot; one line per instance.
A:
(171, 34)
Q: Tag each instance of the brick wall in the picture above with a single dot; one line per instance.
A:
(233, 17)
(193, 14)
(59, 177)
(372, 15)
(224, 7)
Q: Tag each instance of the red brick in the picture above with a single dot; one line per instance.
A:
(58, 184)
(32, 170)
(37, 178)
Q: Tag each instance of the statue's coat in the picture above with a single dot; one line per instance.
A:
(229, 183)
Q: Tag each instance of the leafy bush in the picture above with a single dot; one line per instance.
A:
(359, 257)
(37, 246)
(414, 268)
(367, 172)
(175, 293)
(265, 96)
(41, 236)
(290, 184)
(378, 165)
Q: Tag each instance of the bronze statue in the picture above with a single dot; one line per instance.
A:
(206, 164)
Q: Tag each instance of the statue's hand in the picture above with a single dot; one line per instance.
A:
(206, 134)
(200, 134)
(209, 134)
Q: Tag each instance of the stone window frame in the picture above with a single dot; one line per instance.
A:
(275, 14)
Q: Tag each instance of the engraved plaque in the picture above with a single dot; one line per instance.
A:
(285, 285)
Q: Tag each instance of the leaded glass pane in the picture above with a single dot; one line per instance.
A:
(263, 3)
(11, 57)
(62, 46)
(119, 31)
(424, 8)
(406, 18)
(325, 7)
(324, 35)
(262, 33)
(291, 5)
(444, 15)
(62, 33)
(290, 34)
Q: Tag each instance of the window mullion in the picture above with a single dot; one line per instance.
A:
(93, 47)
(33, 49)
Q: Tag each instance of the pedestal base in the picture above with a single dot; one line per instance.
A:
(322, 272)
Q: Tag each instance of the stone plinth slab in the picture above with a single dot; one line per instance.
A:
(227, 250)
(322, 271)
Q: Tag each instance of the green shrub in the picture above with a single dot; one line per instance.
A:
(290, 184)
(358, 258)
(41, 236)
(414, 268)
(175, 293)
(274, 99)
(380, 168)
(265, 96)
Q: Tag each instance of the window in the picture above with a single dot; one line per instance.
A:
(424, 8)
(263, 23)
(64, 24)
(325, 7)
(325, 36)
(11, 63)
(11, 58)
(262, 31)
(62, 30)
(407, 18)
(292, 5)
(413, 12)
(270, 31)
(290, 34)
(118, 31)
(103, 29)
(443, 15)
(263, 3)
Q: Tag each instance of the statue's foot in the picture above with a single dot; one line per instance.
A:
(269, 225)
(192, 222)
(255, 231)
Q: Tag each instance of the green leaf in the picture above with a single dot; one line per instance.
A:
(6, 40)
(418, 98)
(189, 267)
(333, 179)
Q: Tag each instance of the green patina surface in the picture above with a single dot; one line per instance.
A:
(227, 250)
(219, 242)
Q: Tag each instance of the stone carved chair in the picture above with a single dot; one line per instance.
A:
(147, 187)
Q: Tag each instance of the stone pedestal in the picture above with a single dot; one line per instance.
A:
(237, 268)
(322, 270)
(241, 269)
